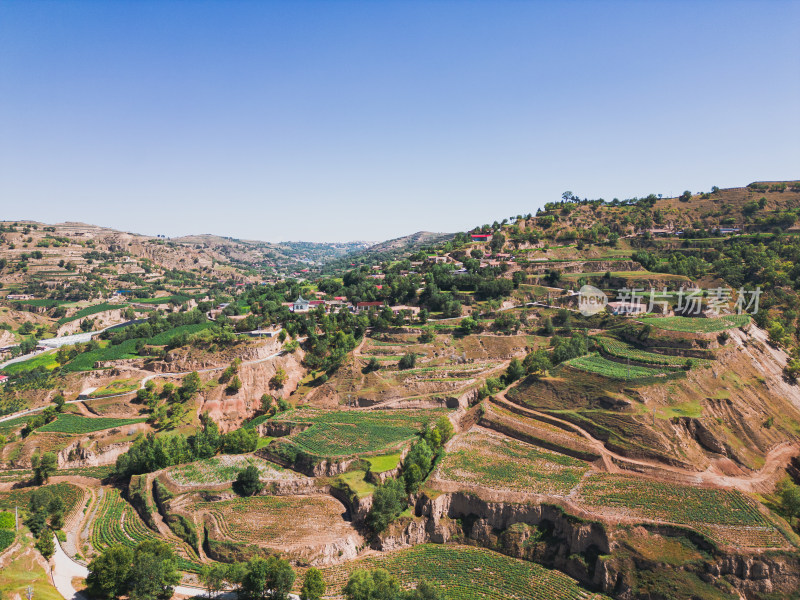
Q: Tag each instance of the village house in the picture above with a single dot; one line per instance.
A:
(366, 306)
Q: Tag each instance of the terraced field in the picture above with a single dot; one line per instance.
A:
(697, 325)
(116, 522)
(285, 521)
(466, 573)
(344, 433)
(594, 363)
(498, 462)
(620, 349)
(70, 494)
(726, 516)
(224, 469)
(72, 423)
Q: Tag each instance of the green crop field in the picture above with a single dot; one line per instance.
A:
(343, 433)
(503, 463)
(116, 522)
(620, 349)
(46, 360)
(224, 469)
(466, 573)
(727, 516)
(127, 349)
(594, 363)
(71, 423)
(697, 325)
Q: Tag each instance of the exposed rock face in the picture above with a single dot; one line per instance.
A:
(584, 550)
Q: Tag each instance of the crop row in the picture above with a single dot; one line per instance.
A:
(594, 363)
(116, 522)
(343, 433)
(72, 423)
(620, 349)
(708, 510)
(466, 573)
(503, 463)
(697, 324)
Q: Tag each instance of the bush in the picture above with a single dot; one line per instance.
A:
(408, 361)
(248, 482)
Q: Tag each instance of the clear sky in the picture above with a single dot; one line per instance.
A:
(337, 120)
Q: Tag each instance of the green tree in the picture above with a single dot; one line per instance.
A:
(59, 402)
(407, 361)
(377, 584)
(213, 578)
(235, 385)
(388, 501)
(313, 585)
(153, 573)
(248, 482)
(45, 543)
(279, 379)
(43, 467)
(789, 497)
(514, 371)
(109, 572)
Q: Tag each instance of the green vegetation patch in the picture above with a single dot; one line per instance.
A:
(594, 363)
(71, 423)
(344, 433)
(697, 325)
(727, 516)
(503, 463)
(46, 360)
(620, 349)
(466, 573)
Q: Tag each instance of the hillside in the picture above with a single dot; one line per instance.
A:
(445, 408)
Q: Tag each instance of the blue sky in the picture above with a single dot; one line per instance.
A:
(335, 120)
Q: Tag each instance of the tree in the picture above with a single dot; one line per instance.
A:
(268, 578)
(266, 403)
(43, 467)
(109, 572)
(45, 543)
(213, 577)
(514, 371)
(372, 365)
(59, 402)
(313, 585)
(686, 196)
(247, 482)
(388, 501)
(537, 363)
(191, 383)
(279, 379)
(153, 574)
(377, 584)
(235, 385)
(407, 361)
(445, 427)
(789, 496)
